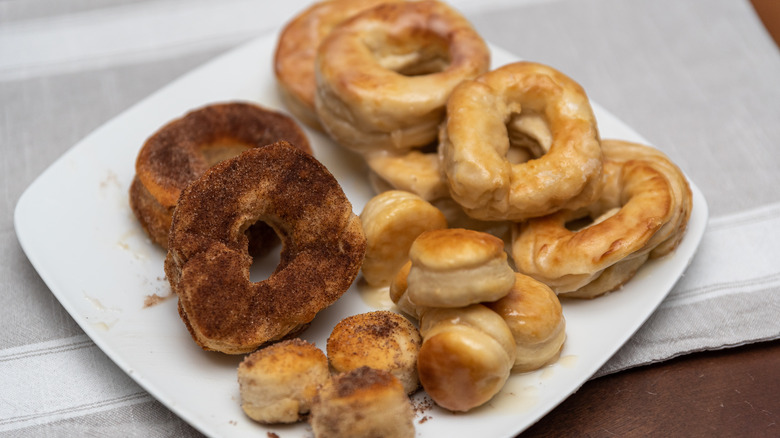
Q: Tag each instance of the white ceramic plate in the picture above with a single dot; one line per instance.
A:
(75, 226)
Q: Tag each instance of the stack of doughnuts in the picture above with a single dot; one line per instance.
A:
(453, 147)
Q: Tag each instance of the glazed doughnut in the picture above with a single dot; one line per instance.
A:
(642, 213)
(384, 75)
(296, 51)
(182, 150)
(456, 267)
(399, 292)
(534, 315)
(382, 340)
(485, 116)
(466, 356)
(415, 171)
(364, 402)
(278, 383)
(391, 221)
(208, 265)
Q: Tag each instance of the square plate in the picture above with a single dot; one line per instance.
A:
(76, 227)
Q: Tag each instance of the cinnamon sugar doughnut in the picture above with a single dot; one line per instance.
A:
(384, 75)
(520, 102)
(182, 150)
(296, 51)
(642, 213)
(208, 264)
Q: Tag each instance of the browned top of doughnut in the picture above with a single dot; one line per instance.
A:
(182, 150)
(208, 266)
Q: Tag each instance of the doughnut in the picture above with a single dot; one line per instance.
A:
(182, 150)
(383, 76)
(456, 267)
(364, 402)
(416, 171)
(399, 292)
(391, 221)
(534, 315)
(466, 355)
(532, 107)
(642, 213)
(207, 264)
(382, 340)
(279, 382)
(296, 51)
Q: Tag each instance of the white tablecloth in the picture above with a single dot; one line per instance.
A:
(699, 79)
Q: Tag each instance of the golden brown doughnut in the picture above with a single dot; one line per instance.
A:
(208, 264)
(382, 340)
(456, 267)
(391, 221)
(384, 75)
(279, 382)
(466, 356)
(526, 103)
(296, 51)
(182, 150)
(534, 315)
(364, 402)
(416, 171)
(642, 213)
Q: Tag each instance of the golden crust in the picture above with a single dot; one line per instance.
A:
(208, 265)
(534, 315)
(485, 118)
(296, 51)
(391, 221)
(364, 402)
(182, 150)
(643, 212)
(278, 383)
(383, 76)
(456, 267)
(381, 340)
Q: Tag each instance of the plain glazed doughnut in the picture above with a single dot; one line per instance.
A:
(384, 75)
(642, 213)
(504, 107)
(382, 340)
(208, 265)
(182, 150)
(391, 221)
(416, 171)
(278, 383)
(534, 315)
(456, 267)
(364, 402)
(466, 356)
(296, 51)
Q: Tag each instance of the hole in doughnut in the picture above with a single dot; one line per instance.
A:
(221, 150)
(422, 53)
(589, 220)
(529, 136)
(265, 249)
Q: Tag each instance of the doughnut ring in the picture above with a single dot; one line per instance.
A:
(182, 150)
(296, 51)
(642, 213)
(504, 107)
(384, 75)
(208, 265)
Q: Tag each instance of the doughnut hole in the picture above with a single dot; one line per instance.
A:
(529, 136)
(423, 54)
(589, 219)
(264, 247)
(222, 149)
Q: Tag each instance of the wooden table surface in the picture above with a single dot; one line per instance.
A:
(727, 393)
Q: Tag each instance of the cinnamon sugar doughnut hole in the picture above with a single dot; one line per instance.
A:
(182, 150)
(384, 75)
(208, 265)
(522, 108)
(642, 213)
(296, 51)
